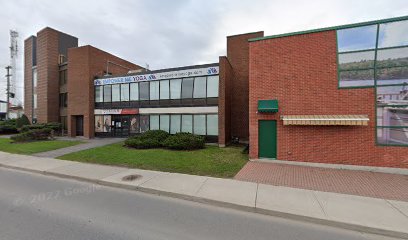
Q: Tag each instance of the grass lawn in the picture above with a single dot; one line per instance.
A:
(6, 145)
(211, 161)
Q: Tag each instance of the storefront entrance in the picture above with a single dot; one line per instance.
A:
(120, 125)
(267, 139)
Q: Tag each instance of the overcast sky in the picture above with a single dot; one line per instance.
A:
(171, 33)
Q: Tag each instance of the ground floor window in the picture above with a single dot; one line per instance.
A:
(125, 125)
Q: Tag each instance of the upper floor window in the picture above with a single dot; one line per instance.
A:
(35, 77)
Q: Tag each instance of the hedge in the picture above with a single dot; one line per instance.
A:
(22, 121)
(184, 141)
(53, 126)
(149, 139)
(8, 127)
(33, 135)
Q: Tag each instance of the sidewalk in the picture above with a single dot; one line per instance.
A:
(354, 182)
(373, 215)
(88, 143)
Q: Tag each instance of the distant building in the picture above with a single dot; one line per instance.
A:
(3, 109)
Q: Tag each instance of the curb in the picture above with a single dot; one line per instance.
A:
(291, 216)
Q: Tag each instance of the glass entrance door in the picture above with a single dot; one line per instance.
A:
(121, 125)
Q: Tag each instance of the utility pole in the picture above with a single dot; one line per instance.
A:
(8, 92)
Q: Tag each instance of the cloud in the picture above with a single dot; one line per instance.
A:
(176, 33)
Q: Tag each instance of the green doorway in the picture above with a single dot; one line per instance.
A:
(267, 139)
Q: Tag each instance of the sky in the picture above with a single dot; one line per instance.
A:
(172, 33)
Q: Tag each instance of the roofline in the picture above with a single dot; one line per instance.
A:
(241, 34)
(361, 24)
(164, 70)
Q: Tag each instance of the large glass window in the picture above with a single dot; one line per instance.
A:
(99, 94)
(392, 66)
(116, 93)
(212, 86)
(200, 87)
(35, 101)
(187, 123)
(164, 89)
(359, 38)
(199, 125)
(175, 123)
(393, 34)
(134, 91)
(187, 88)
(124, 92)
(212, 125)
(165, 123)
(144, 90)
(154, 122)
(144, 123)
(175, 88)
(107, 93)
(392, 114)
(154, 90)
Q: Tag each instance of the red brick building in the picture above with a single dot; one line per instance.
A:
(335, 95)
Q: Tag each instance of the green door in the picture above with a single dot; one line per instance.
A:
(267, 138)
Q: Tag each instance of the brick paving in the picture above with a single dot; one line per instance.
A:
(362, 183)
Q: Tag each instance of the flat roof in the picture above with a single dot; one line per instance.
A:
(361, 24)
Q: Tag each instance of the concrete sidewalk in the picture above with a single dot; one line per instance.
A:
(88, 144)
(365, 214)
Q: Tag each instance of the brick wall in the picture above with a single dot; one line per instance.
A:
(28, 77)
(224, 102)
(84, 64)
(301, 72)
(47, 70)
(238, 59)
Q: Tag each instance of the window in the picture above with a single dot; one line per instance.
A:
(63, 100)
(35, 77)
(359, 38)
(116, 93)
(393, 34)
(144, 123)
(212, 125)
(175, 88)
(144, 90)
(64, 123)
(134, 92)
(175, 123)
(187, 88)
(164, 89)
(392, 114)
(200, 87)
(154, 122)
(35, 101)
(99, 94)
(107, 93)
(187, 123)
(392, 66)
(199, 124)
(124, 92)
(164, 122)
(62, 77)
(212, 86)
(154, 90)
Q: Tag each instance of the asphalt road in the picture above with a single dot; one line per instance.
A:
(34, 206)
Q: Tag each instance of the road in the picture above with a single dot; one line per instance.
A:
(34, 206)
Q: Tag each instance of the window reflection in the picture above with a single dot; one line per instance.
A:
(360, 38)
(393, 34)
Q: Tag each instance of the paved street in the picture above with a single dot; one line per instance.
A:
(362, 183)
(41, 207)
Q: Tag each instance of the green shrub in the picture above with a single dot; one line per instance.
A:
(22, 121)
(54, 126)
(33, 135)
(8, 129)
(184, 141)
(149, 139)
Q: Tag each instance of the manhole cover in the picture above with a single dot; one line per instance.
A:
(129, 178)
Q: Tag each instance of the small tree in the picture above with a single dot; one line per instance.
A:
(23, 120)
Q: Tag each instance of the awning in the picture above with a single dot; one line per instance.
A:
(344, 120)
(265, 106)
